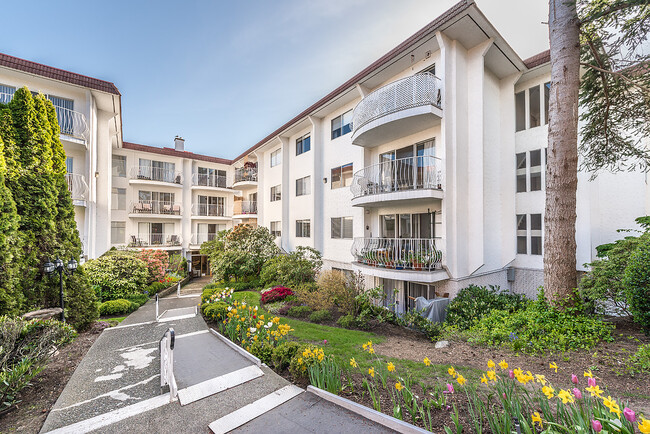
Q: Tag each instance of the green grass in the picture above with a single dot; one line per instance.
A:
(117, 318)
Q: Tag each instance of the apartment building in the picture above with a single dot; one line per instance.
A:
(425, 171)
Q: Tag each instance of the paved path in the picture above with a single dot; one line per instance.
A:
(116, 387)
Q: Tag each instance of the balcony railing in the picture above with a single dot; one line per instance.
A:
(72, 123)
(154, 240)
(155, 207)
(205, 180)
(77, 186)
(243, 174)
(208, 210)
(245, 207)
(156, 174)
(410, 173)
(414, 91)
(5, 97)
(417, 254)
(200, 238)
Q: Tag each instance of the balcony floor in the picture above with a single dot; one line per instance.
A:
(152, 182)
(244, 185)
(409, 275)
(392, 198)
(396, 125)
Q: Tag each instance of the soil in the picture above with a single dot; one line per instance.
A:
(37, 399)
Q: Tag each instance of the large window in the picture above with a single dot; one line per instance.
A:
(522, 233)
(536, 170)
(421, 225)
(302, 229)
(342, 125)
(535, 234)
(276, 229)
(6, 93)
(276, 157)
(276, 193)
(211, 177)
(534, 109)
(211, 206)
(158, 171)
(303, 186)
(532, 237)
(520, 111)
(341, 176)
(521, 172)
(529, 171)
(532, 100)
(118, 232)
(303, 144)
(118, 198)
(341, 228)
(119, 166)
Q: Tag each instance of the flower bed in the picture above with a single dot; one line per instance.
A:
(278, 293)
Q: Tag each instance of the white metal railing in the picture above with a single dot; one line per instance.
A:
(206, 180)
(156, 174)
(208, 210)
(412, 173)
(245, 207)
(166, 346)
(419, 254)
(77, 186)
(246, 174)
(414, 91)
(201, 237)
(154, 240)
(72, 123)
(155, 207)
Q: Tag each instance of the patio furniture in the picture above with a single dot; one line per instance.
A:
(174, 240)
(137, 207)
(136, 242)
(176, 209)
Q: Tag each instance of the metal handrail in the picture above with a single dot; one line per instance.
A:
(419, 254)
(155, 240)
(411, 173)
(72, 123)
(209, 180)
(77, 186)
(414, 91)
(245, 207)
(156, 174)
(200, 238)
(243, 174)
(161, 207)
(166, 347)
(208, 210)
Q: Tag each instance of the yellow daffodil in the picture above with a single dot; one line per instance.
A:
(354, 363)
(548, 391)
(536, 418)
(492, 375)
(427, 362)
(371, 350)
(541, 379)
(503, 364)
(553, 366)
(398, 386)
(595, 391)
(588, 374)
(491, 364)
(390, 367)
(518, 372)
(611, 404)
(484, 380)
(644, 426)
(565, 396)
(452, 372)
(371, 371)
(461, 380)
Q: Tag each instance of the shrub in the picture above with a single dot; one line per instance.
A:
(215, 311)
(25, 350)
(276, 294)
(639, 362)
(347, 322)
(637, 281)
(274, 307)
(81, 310)
(262, 350)
(156, 262)
(155, 288)
(474, 302)
(299, 311)
(117, 274)
(208, 290)
(245, 285)
(138, 299)
(178, 264)
(312, 296)
(283, 353)
(339, 290)
(295, 268)
(412, 319)
(320, 316)
(284, 310)
(116, 307)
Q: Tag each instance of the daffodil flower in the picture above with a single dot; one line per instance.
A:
(536, 418)
(553, 366)
(490, 364)
(427, 362)
(461, 380)
(503, 365)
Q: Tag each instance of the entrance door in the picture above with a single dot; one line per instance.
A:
(426, 169)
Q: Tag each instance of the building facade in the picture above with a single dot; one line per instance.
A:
(425, 171)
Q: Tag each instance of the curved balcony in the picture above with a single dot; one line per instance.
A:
(157, 208)
(245, 177)
(244, 209)
(155, 175)
(72, 123)
(389, 182)
(399, 109)
(415, 259)
(78, 188)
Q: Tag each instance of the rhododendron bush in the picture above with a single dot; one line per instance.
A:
(278, 293)
(156, 262)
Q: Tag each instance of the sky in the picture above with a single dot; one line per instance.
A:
(225, 74)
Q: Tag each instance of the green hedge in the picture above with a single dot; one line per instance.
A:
(474, 302)
(116, 307)
(117, 274)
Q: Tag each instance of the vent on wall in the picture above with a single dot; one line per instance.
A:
(510, 274)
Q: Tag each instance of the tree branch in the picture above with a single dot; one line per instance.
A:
(620, 5)
(617, 74)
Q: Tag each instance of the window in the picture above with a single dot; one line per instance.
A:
(69, 165)
(520, 111)
(533, 107)
(276, 193)
(303, 144)
(535, 234)
(341, 176)
(208, 232)
(6, 93)
(302, 229)
(421, 225)
(547, 96)
(536, 170)
(119, 166)
(276, 229)
(118, 198)
(211, 177)
(211, 206)
(118, 232)
(158, 171)
(276, 157)
(342, 125)
(341, 228)
(303, 186)
(522, 246)
(521, 172)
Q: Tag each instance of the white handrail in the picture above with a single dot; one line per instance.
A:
(167, 378)
(155, 240)
(159, 174)
(72, 123)
(419, 254)
(202, 237)
(208, 210)
(209, 180)
(245, 207)
(246, 174)
(161, 207)
(77, 186)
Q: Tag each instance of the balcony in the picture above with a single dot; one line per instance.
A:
(245, 177)
(78, 188)
(155, 175)
(200, 238)
(212, 211)
(72, 123)
(245, 209)
(158, 208)
(407, 179)
(208, 181)
(399, 109)
(156, 240)
(399, 258)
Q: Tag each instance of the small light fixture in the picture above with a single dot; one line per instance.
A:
(96, 174)
(324, 180)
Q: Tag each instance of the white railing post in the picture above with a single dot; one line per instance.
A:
(156, 307)
(167, 378)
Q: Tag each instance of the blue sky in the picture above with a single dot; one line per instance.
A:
(225, 74)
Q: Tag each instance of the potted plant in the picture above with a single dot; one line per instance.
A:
(417, 262)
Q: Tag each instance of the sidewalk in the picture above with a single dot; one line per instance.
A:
(116, 387)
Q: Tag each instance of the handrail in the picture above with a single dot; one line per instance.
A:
(202, 237)
(208, 210)
(77, 186)
(245, 207)
(155, 239)
(209, 180)
(414, 91)
(161, 207)
(166, 346)
(246, 174)
(72, 123)
(419, 254)
(411, 173)
(158, 174)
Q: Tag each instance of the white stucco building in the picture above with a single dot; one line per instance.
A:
(425, 171)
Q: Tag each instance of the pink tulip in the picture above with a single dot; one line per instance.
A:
(596, 425)
(574, 378)
(511, 374)
(629, 414)
(325, 341)
(591, 382)
(450, 388)
(577, 393)
(504, 396)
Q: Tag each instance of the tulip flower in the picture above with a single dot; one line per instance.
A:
(511, 374)
(591, 382)
(629, 414)
(577, 393)
(574, 378)
(596, 425)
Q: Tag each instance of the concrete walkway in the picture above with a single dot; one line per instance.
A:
(116, 387)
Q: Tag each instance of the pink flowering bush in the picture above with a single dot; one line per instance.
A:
(276, 294)
(156, 262)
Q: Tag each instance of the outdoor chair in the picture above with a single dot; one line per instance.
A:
(176, 209)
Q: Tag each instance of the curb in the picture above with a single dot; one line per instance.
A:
(237, 348)
(368, 413)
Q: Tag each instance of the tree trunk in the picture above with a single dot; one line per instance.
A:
(562, 166)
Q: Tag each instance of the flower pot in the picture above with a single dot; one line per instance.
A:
(417, 266)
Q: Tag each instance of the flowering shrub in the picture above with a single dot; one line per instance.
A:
(156, 262)
(276, 294)
(117, 274)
